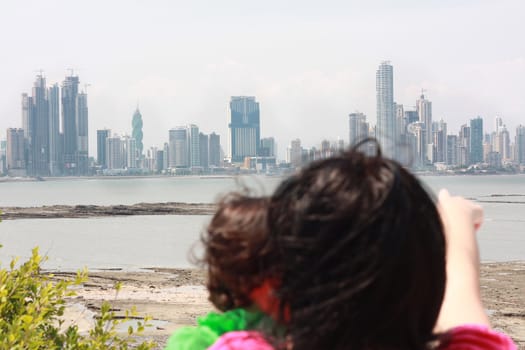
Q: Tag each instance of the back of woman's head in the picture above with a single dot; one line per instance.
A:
(235, 250)
(362, 255)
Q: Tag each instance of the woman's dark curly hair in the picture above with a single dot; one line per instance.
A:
(361, 253)
(236, 250)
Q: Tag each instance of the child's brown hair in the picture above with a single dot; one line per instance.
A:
(236, 250)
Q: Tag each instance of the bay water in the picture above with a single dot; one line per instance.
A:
(169, 241)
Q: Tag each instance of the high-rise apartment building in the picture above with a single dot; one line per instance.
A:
(419, 137)
(69, 124)
(102, 136)
(295, 153)
(15, 149)
(244, 128)
(193, 146)
(476, 140)
(463, 156)
(178, 147)
(115, 156)
(358, 128)
(452, 150)
(385, 128)
(215, 150)
(82, 134)
(440, 141)
(27, 123)
(519, 144)
(165, 156)
(204, 149)
(268, 147)
(424, 112)
(55, 147)
(130, 152)
(401, 124)
(39, 116)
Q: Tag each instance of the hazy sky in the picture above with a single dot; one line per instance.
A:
(309, 63)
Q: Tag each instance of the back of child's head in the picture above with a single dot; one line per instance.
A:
(361, 253)
(236, 252)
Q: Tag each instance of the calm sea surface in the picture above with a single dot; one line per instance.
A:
(166, 241)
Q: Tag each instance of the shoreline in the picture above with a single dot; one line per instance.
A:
(88, 211)
(174, 297)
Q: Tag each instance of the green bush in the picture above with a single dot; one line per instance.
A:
(31, 304)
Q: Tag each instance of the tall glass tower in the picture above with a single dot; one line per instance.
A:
(385, 129)
(82, 135)
(244, 128)
(69, 124)
(55, 158)
(476, 140)
(137, 134)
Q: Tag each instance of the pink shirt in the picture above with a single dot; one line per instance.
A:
(467, 337)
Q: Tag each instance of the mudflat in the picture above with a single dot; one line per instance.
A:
(175, 297)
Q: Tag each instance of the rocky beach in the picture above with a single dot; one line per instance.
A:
(175, 297)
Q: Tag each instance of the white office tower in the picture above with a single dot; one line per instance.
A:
(424, 111)
(193, 146)
(419, 137)
(295, 153)
(115, 153)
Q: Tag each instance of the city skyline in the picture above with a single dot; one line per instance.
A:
(309, 65)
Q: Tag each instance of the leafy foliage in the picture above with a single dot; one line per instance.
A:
(31, 305)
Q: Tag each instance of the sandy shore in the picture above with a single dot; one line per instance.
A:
(175, 297)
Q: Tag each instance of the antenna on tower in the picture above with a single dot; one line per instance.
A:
(423, 93)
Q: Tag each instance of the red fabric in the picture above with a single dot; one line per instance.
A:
(476, 337)
(264, 297)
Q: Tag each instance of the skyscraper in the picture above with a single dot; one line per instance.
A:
(69, 124)
(268, 147)
(424, 111)
(193, 146)
(244, 128)
(55, 157)
(102, 136)
(476, 140)
(452, 150)
(520, 144)
(440, 141)
(204, 150)
(385, 128)
(463, 156)
(419, 137)
(15, 149)
(358, 128)
(130, 152)
(137, 131)
(81, 114)
(178, 147)
(39, 147)
(295, 153)
(214, 150)
(115, 153)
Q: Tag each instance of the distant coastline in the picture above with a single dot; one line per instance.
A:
(103, 177)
